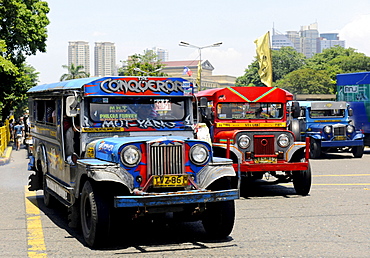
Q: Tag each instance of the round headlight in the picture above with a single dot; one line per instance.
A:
(199, 154)
(283, 140)
(130, 156)
(327, 129)
(244, 141)
(350, 129)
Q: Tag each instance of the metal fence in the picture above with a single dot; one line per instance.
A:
(4, 136)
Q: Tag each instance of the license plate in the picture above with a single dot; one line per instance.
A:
(340, 138)
(170, 181)
(265, 160)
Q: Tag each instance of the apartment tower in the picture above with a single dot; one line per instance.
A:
(79, 54)
(105, 59)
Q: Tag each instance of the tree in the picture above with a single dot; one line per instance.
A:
(22, 33)
(284, 61)
(338, 60)
(23, 27)
(307, 81)
(142, 65)
(74, 72)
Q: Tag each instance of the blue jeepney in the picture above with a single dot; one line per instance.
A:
(134, 153)
(329, 127)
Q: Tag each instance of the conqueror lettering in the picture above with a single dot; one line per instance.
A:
(117, 86)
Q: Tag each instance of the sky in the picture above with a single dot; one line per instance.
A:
(134, 26)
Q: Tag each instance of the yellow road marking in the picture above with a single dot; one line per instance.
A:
(35, 234)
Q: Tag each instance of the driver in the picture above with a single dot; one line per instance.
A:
(146, 111)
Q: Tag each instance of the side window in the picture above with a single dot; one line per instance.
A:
(45, 112)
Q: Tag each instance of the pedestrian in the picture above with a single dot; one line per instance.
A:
(18, 134)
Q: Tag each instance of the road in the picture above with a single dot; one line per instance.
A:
(271, 221)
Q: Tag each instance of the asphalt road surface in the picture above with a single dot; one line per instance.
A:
(271, 220)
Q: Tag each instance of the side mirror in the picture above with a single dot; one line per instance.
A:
(72, 106)
(350, 112)
(205, 111)
(296, 111)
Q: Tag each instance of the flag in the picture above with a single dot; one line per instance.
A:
(187, 71)
(264, 59)
(199, 76)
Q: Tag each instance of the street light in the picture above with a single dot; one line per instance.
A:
(185, 44)
(137, 69)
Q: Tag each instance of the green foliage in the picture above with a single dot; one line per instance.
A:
(307, 81)
(23, 27)
(142, 65)
(284, 61)
(316, 75)
(22, 33)
(74, 72)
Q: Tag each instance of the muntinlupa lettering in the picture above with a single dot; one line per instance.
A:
(117, 86)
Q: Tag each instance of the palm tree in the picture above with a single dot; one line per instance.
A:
(74, 72)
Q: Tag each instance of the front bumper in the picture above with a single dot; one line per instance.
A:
(263, 167)
(175, 198)
(346, 143)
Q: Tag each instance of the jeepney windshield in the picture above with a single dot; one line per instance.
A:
(327, 113)
(250, 110)
(134, 108)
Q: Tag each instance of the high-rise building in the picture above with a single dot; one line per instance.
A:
(307, 41)
(161, 53)
(79, 54)
(105, 59)
(308, 35)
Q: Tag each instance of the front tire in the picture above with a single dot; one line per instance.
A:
(302, 181)
(218, 220)
(315, 148)
(358, 151)
(95, 216)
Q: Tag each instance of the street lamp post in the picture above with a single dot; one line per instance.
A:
(137, 69)
(185, 44)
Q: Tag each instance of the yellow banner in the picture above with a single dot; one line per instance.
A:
(283, 124)
(264, 59)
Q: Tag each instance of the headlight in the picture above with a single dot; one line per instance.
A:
(244, 141)
(130, 156)
(283, 140)
(199, 154)
(327, 129)
(350, 129)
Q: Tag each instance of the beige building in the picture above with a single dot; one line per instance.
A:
(79, 54)
(208, 80)
(105, 59)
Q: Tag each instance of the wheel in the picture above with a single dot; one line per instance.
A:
(315, 148)
(302, 181)
(95, 216)
(219, 217)
(294, 127)
(358, 151)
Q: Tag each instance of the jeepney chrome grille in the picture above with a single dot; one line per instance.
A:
(166, 158)
(339, 130)
(264, 144)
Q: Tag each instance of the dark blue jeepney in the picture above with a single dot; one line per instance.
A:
(127, 161)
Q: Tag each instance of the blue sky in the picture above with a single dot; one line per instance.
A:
(142, 24)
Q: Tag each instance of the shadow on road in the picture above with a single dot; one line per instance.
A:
(263, 188)
(142, 236)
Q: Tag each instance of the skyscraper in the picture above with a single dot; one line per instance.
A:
(161, 53)
(105, 59)
(79, 54)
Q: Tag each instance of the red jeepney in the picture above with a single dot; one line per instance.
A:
(249, 126)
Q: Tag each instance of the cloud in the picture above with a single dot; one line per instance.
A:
(356, 34)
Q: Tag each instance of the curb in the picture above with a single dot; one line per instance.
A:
(5, 159)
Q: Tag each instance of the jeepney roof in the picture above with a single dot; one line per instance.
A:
(63, 85)
(323, 105)
(248, 94)
(121, 85)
